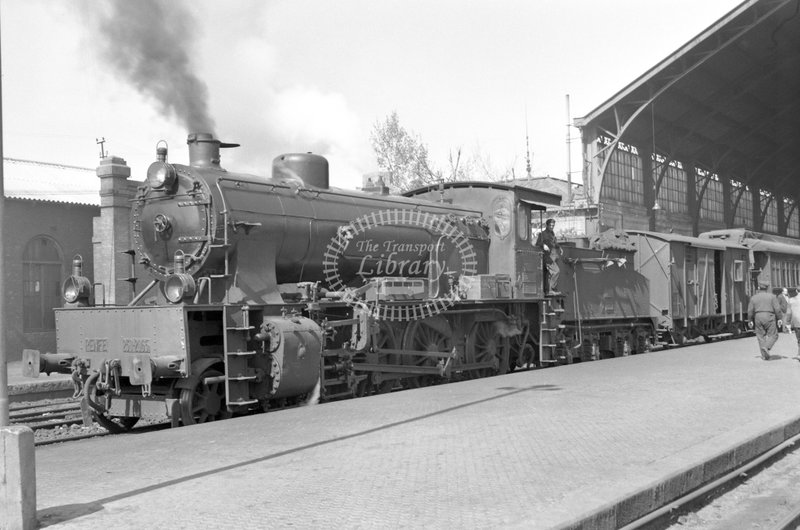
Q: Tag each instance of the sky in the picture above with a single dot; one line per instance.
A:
(286, 76)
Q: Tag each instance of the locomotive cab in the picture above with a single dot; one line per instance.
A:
(511, 212)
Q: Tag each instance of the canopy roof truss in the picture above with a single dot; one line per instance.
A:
(728, 101)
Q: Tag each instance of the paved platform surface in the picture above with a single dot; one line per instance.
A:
(582, 446)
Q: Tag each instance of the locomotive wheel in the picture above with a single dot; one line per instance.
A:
(680, 336)
(628, 346)
(642, 340)
(363, 387)
(523, 355)
(529, 355)
(431, 335)
(484, 344)
(204, 403)
(385, 338)
(515, 353)
(385, 387)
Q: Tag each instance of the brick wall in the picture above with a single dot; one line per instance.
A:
(70, 226)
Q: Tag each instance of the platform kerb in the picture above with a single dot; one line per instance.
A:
(659, 494)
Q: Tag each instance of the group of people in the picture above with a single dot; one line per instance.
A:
(770, 313)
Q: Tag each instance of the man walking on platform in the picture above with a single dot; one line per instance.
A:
(783, 298)
(764, 313)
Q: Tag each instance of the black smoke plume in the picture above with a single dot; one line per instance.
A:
(147, 42)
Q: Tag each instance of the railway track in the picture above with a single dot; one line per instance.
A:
(46, 414)
(52, 420)
(59, 421)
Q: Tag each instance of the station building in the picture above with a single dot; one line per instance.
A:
(706, 139)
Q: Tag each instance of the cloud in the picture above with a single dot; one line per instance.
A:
(307, 115)
(269, 115)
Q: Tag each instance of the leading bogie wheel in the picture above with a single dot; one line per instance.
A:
(204, 402)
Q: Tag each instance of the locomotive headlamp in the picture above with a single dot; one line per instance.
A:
(179, 285)
(77, 288)
(161, 175)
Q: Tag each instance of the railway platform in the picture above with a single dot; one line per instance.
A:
(24, 388)
(590, 445)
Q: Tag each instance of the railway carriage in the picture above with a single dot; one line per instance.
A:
(698, 286)
(774, 260)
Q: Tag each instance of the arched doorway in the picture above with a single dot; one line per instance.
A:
(42, 272)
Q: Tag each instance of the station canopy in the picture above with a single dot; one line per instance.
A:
(728, 100)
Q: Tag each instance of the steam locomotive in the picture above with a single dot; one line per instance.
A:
(266, 292)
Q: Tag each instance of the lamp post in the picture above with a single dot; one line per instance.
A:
(4, 415)
(17, 456)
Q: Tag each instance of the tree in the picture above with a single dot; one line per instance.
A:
(402, 154)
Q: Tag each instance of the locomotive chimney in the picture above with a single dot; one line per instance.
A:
(204, 150)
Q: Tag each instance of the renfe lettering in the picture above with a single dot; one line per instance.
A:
(95, 345)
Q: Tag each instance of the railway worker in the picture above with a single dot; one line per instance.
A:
(765, 315)
(793, 316)
(548, 242)
(784, 300)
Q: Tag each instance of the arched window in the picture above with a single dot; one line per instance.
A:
(42, 275)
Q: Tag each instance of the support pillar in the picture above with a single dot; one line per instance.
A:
(649, 186)
(17, 479)
(758, 213)
(112, 237)
(727, 202)
(779, 206)
(691, 191)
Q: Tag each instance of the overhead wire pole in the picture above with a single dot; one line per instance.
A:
(4, 415)
(569, 157)
(17, 454)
